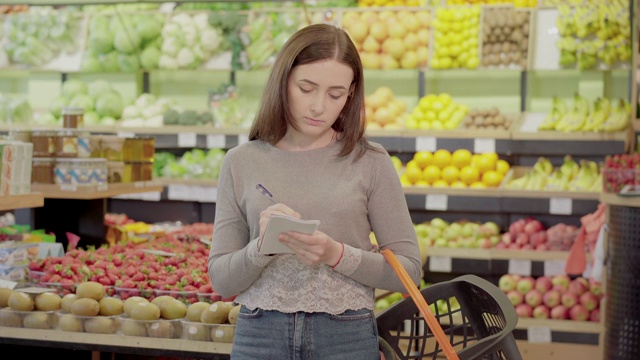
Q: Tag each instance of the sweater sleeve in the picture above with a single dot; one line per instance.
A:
(393, 228)
(234, 261)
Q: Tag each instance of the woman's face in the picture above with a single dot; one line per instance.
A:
(317, 93)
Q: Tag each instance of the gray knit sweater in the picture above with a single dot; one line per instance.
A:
(350, 197)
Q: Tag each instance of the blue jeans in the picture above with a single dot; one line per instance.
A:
(273, 335)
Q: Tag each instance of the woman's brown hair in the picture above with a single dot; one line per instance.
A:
(311, 44)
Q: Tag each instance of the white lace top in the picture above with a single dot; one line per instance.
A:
(350, 198)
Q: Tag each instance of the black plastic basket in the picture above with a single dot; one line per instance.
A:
(481, 327)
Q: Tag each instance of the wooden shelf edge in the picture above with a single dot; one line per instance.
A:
(617, 200)
(192, 182)
(459, 253)
(58, 336)
(53, 191)
(497, 254)
(568, 136)
(539, 194)
(562, 325)
(23, 201)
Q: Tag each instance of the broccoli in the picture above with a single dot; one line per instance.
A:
(188, 117)
(171, 117)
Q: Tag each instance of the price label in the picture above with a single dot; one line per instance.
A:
(216, 141)
(187, 140)
(242, 139)
(560, 206)
(520, 267)
(103, 187)
(426, 143)
(126, 134)
(539, 334)
(436, 202)
(484, 146)
(150, 196)
(179, 192)
(7, 284)
(138, 184)
(554, 267)
(208, 194)
(68, 187)
(440, 264)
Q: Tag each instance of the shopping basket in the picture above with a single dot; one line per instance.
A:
(469, 316)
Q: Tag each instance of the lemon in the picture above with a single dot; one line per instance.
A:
(413, 174)
(450, 174)
(458, 184)
(404, 181)
(486, 163)
(469, 174)
(431, 173)
(492, 178)
(440, 184)
(442, 158)
(478, 185)
(461, 158)
(421, 183)
(502, 166)
(423, 158)
(413, 163)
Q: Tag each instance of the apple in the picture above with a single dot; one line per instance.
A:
(533, 298)
(524, 310)
(596, 287)
(514, 246)
(543, 284)
(578, 287)
(551, 298)
(485, 243)
(559, 312)
(525, 285)
(506, 283)
(594, 315)
(562, 280)
(527, 247)
(439, 223)
(578, 312)
(491, 227)
(501, 246)
(538, 238)
(522, 239)
(495, 239)
(533, 226)
(517, 227)
(422, 230)
(541, 312)
(515, 297)
(569, 299)
(589, 300)
(542, 247)
(469, 229)
(507, 238)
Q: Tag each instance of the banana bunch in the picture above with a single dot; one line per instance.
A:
(619, 118)
(535, 178)
(576, 117)
(600, 113)
(569, 167)
(586, 176)
(558, 109)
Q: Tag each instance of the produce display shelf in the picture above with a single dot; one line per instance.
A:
(24, 201)
(54, 191)
(113, 343)
(617, 200)
(498, 254)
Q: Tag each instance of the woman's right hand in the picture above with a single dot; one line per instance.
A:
(275, 209)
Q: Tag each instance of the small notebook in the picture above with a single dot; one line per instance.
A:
(278, 224)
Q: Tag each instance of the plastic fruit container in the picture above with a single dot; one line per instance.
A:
(87, 324)
(28, 319)
(198, 331)
(614, 180)
(162, 328)
(209, 297)
(125, 293)
(187, 297)
(61, 289)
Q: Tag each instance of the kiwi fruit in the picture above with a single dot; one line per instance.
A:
(69, 322)
(37, 320)
(67, 300)
(90, 289)
(4, 297)
(85, 307)
(100, 325)
(110, 306)
(48, 301)
(21, 301)
(195, 310)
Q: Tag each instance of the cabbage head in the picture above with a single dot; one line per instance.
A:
(82, 101)
(99, 87)
(109, 104)
(73, 87)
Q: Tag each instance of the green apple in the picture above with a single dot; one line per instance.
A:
(422, 230)
(439, 223)
(440, 242)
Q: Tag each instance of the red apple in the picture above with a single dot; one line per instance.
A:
(551, 298)
(543, 284)
(578, 312)
(562, 280)
(559, 312)
(524, 310)
(515, 297)
(514, 246)
(525, 285)
(594, 315)
(506, 283)
(569, 299)
(589, 300)
(517, 227)
(595, 287)
(578, 287)
(507, 238)
(533, 226)
(533, 298)
(541, 312)
(527, 247)
(538, 238)
(542, 247)
(501, 245)
(522, 239)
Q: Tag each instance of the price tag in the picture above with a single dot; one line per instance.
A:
(436, 202)
(68, 187)
(208, 194)
(7, 284)
(187, 140)
(138, 184)
(242, 139)
(126, 134)
(103, 187)
(484, 146)
(216, 141)
(539, 334)
(560, 206)
(150, 196)
(520, 267)
(178, 192)
(426, 143)
(440, 264)
(554, 267)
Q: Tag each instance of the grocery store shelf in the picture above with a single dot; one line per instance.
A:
(112, 343)
(617, 200)
(561, 331)
(498, 254)
(24, 201)
(53, 191)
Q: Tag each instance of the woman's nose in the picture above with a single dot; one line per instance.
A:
(317, 105)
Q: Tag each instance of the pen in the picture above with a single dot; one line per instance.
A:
(265, 192)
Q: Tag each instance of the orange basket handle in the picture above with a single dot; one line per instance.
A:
(421, 303)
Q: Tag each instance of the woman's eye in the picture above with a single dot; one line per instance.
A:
(335, 97)
(304, 90)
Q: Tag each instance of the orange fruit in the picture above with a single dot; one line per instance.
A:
(423, 158)
(502, 166)
(450, 173)
(458, 184)
(492, 178)
(431, 173)
(442, 158)
(413, 174)
(440, 184)
(469, 174)
(461, 158)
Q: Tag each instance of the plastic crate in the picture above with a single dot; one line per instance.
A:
(480, 327)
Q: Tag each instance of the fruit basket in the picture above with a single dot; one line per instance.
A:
(187, 297)
(478, 320)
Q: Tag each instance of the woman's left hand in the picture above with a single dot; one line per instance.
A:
(317, 248)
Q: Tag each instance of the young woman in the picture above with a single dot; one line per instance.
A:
(307, 147)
